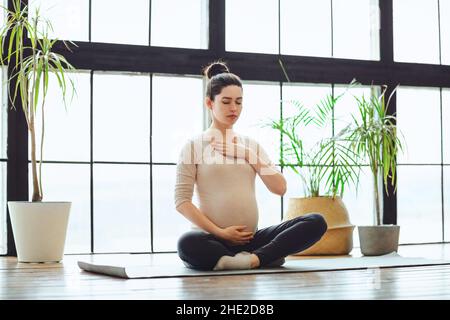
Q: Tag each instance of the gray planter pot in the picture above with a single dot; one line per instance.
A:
(378, 240)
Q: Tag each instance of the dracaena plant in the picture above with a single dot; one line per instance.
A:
(373, 135)
(330, 161)
(28, 49)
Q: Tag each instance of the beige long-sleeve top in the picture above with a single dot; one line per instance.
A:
(224, 185)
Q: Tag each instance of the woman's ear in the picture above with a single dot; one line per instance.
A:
(209, 103)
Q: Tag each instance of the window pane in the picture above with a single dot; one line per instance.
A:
(444, 8)
(67, 133)
(413, 106)
(121, 117)
(261, 102)
(69, 19)
(269, 204)
(192, 15)
(121, 208)
(295, 186)
(70, 182)
(306, 27)
(4, 3)
(356, 19)
(3, 244)
(360, 203)
(446, 124)
(447, 203)
(3, 113)
(3, 137)
(168, 223)
(414, 41)
(177, 113)
(419, 204)
(348, 106)
(309, 96)
(251, 31)
(120, 22)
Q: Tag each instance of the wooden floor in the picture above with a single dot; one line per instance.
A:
(67, 281)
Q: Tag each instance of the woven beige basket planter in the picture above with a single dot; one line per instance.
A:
(338, 240)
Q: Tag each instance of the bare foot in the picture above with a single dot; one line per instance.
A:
(254, 262)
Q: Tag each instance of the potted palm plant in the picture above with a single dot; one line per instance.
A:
(39, 227)
(330, 162)
(373, 135)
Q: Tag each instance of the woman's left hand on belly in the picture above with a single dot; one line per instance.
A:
(236, 235)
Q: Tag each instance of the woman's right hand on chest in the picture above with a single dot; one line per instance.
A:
(236, 235)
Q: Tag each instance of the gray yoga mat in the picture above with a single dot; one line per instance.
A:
(391, 260)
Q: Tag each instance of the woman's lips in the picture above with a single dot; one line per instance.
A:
(232, 117)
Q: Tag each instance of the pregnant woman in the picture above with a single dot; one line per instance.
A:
(223, 165)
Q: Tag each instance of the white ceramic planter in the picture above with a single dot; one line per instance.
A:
(39, 229)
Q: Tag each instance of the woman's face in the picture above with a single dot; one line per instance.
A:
(227, 106)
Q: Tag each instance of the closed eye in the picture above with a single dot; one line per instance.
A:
(228, 102)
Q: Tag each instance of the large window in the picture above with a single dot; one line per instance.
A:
(3, 114)
(67, 127)
(3, 164)
(169, 15)
(305, 28)
(423, 135)
(246, 31)
(308, 96)
(359, 200)
(128, 23)
(323, 28)
(121, 114)
(132, 198)
(446, 160)
(109, 181)
(444, 10)
(419, 170)
(67, 146)
(261, 102)
(128, 199)
(121, 192)
(121, 208)
(69, 19)
(356, 19)
(180, 96)
(419, 203)
(140, 95)
(125, 23)
(446, 125)
(446, 183)
(418, 36)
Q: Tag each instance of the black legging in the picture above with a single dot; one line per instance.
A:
(201, 250)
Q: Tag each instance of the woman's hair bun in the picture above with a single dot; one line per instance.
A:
(215, 68)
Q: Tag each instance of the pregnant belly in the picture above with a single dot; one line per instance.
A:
(232, 211)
